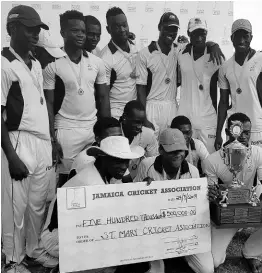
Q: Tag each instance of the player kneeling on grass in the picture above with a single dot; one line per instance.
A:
(216, 169)
(170, 164)
(110, 164)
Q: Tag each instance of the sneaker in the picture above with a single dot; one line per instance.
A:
(16, 268)
(46, 260)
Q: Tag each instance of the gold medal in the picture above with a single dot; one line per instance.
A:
(239, 91)
(81, 91)
(167, 80)
(41, 100)
(201, 87)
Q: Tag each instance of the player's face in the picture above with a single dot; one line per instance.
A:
(168, 34)
(198, 38)
(116, 167)
(186, 129)
(173, 159)
(241, 40)
(134, 122)
(75, 33)
(118, 28)
(26, 37)
(93, 34)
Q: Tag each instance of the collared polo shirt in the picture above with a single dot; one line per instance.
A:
(21, 98)
(151, 68)
(149, 167)
(216, 168)
(74, 107)
(249, 101)
(118, 70)
(198, 105)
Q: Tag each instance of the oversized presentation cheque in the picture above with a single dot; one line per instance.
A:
(103, 226)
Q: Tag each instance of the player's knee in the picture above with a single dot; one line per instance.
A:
(50, 242)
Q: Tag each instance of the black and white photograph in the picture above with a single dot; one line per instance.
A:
(131, 135)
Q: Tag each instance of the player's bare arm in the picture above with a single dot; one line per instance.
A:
(57, 152)
(102, 100)
(221, 116)
(17, 168)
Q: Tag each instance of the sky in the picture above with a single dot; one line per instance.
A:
(251, 10)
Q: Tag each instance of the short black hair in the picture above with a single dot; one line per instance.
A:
(178, 121)
(69, 15)
(237, 116)
(133, 104)
(113, 12)
(103, 124)
(91, 20)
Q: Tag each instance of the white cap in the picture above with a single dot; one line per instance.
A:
(116, 146)
(50, 45)
(196, 23)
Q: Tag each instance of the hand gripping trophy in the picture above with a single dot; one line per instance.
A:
(235, 154)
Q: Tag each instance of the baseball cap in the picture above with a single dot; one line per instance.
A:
(50, 44)
(169, 19)
(241, 24)
(172, 140)
(196, 23)
(26, 15)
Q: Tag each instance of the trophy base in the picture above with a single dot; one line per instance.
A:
(236, 215)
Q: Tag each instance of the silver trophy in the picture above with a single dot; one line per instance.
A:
(235, 154)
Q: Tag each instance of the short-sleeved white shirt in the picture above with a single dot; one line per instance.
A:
(21, 97)
(149, 61)
(78, 109)
(194, 103)
(216, 168)
(247, 101)
(146, 169)
(200, 153)
(118, 70)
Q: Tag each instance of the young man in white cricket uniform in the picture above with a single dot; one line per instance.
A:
(71, 97)
(170, 164)
(197, 152)
(132, 122)
(119, 57)
(26, 144)
(199, 76)
(216, 169)
(241, 78)
(157, 82)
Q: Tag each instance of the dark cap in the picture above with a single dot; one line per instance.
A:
(25, 15)
(169, 19)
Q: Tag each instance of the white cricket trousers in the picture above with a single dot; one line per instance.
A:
(73, 141)
(161, 114)
(23, 202)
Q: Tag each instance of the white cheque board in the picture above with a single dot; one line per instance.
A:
(102, 226)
